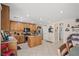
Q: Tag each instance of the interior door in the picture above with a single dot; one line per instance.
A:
(61, 31)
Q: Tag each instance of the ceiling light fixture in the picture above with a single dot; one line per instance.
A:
(27, 15)
(40, 18)
(61, 11)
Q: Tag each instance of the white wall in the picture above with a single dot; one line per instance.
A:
(49, 12)
(64, 35)
(55, 36)
(65, 23)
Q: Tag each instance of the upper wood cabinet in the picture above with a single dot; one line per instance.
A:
(32, 27)
(26, 25)
(13, 26)
(5, 22)
(19, 26)
(16, 26)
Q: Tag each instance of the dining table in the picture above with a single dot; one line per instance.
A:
(74, 51)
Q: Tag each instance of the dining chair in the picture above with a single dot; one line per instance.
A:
(62, 50)
(5, 51)
(69, 45)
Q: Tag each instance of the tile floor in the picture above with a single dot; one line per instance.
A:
(46, 49)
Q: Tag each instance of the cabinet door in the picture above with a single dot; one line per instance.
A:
(31, 41)
(5, 22)
(24, 25)
(32, 27)
(13, 26)
(38, 40)
(17, 38)
(17, 26)
(27, 25)
(21, 39)
(20, 27)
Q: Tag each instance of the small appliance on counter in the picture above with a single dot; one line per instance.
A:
(26, 31)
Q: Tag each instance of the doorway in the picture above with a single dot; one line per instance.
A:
(61, 31)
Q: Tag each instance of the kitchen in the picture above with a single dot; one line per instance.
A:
(23, 32)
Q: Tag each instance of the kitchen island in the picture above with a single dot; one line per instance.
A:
(34, 41)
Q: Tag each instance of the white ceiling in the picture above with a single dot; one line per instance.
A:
(43, 13)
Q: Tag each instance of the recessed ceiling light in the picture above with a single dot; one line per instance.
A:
(40, 18)
(61, 11)
(28, 15)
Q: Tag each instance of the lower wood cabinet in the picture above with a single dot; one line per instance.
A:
(20, 38)
(34, 41)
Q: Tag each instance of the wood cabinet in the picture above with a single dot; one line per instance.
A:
(13, 26)
(16, 26)
(38, 40)
(19, 26)
(5, 22)
(20, 38)
(34, 41)
(32, 27)
(27, 25)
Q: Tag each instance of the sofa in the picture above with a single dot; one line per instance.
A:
(74, 37)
